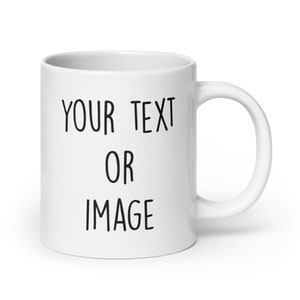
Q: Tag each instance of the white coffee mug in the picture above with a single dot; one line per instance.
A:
(119, 153)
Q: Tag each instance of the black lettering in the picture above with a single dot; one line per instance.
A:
(101, 213)
(127, 165)
(67, 110)
(119, 210)
(107, 166)
(83, 115)
(147, 216)
(161, 117)
(171, 109)
(144, 117)
(97, 127)
(138, 215)
(135, 114)
(87, 214)
(108, 115)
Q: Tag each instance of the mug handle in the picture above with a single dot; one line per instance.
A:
(210, 209)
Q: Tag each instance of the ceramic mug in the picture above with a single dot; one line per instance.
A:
(118, 145)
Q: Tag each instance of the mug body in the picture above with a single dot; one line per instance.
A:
(118, 154)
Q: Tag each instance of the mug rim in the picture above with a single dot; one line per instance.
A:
(176, 62)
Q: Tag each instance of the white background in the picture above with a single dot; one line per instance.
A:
(253, 44)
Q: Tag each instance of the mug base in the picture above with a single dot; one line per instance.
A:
(119, 258)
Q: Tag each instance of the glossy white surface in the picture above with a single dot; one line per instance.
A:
(211, 209)
(163, 147)
(252, 44)
(161, 140)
